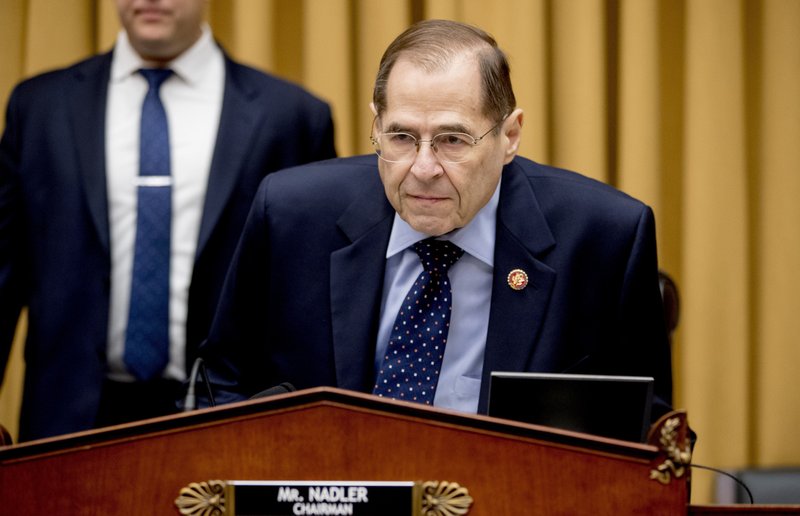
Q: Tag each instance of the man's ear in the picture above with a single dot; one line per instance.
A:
(372, 108)
(512, 132)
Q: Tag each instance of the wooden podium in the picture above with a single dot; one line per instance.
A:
(327, 434)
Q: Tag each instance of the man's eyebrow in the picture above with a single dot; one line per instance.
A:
(395, 127)
(453, 128)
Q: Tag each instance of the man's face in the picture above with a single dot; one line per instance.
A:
(160, 30)
(432, 196)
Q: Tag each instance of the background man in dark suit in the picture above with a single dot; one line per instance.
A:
(558, 271)
(70, 184)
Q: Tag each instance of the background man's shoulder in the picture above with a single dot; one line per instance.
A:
(47, 82)
(271, 86)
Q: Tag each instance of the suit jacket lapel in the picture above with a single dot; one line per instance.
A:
(233, 139)
(356, 285)
(87, 105)
(516, 316)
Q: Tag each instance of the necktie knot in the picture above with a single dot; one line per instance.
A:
(155, 76)
(437, 256)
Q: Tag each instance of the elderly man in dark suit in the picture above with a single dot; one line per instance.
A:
(125, 181)
(415, 273)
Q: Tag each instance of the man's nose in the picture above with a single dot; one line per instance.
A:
(426, 164)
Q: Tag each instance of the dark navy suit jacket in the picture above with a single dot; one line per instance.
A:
(54, 228)
(302, 299)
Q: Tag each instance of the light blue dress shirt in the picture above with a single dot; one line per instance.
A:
(471, 283)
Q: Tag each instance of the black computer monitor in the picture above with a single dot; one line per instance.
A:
(609, 406)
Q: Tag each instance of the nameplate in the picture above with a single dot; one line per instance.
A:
(302, 498)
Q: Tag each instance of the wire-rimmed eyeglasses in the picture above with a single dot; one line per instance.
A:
(448, 147)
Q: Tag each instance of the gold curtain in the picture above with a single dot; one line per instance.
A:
(690, 105)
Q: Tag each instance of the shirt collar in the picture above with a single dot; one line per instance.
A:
(191, 65)
(476, 238)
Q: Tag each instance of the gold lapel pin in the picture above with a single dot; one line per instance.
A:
(517, 279)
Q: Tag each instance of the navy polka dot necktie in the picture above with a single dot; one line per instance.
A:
(410, 368)
(147, 335)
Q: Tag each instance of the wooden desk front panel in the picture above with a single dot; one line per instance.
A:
(505, 474)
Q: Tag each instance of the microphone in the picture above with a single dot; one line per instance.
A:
(272, 391)
(190, 401)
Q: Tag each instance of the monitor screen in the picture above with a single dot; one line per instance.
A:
(608, 406)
